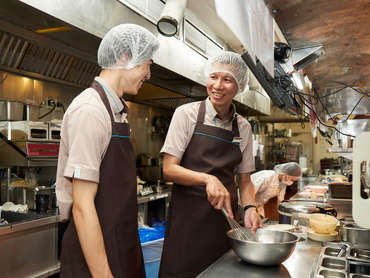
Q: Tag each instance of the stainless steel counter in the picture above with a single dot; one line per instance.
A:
(29, 245)
(297, 266)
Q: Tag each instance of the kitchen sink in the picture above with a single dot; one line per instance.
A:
(332, 273)
(359, 267)
(18, 217)
(353, 263)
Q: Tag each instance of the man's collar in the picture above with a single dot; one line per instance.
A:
(118, 104)
(215, 114)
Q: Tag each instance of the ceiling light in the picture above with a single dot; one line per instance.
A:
(171, 16)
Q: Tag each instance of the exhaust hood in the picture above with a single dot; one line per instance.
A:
(69, 57)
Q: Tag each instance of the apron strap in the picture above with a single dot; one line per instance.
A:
(201, 112)
(97, 87)
(235, 126)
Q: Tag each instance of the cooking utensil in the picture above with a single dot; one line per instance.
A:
(241, 233)
(286, 210)
(274, 246)
(11, 110)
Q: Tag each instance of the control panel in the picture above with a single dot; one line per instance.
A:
(42, 149)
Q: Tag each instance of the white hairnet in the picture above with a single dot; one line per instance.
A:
(231, 63)
(291, 169)
(126, 46)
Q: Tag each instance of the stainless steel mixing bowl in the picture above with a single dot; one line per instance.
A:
(275, 246)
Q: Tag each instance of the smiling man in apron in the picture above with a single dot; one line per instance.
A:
(205, 143)
(96, 176)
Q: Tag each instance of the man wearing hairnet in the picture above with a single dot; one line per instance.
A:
(271, 183)
(96, 176)
(205, 143)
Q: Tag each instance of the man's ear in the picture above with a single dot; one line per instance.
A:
(124, 60)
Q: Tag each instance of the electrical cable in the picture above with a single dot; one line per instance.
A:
(49, 111)
(4, 79)
(349, 135)
(354, 107)
(64, 110)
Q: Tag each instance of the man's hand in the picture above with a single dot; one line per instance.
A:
(252, 219)
(218, 195)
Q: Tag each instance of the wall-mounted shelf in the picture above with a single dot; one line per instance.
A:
(346, 153)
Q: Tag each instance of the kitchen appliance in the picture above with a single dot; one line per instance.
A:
(11, 110)
(31, 196)
(27, 143)
(361, 180)
(273, 248)
(359, 237)
(154, 173)
(31, 112)
(341, 190)
(286, 210)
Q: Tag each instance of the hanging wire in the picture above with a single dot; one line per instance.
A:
(49, 111)
(4, 79)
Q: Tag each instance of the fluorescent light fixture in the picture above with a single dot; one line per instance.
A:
(171, 16)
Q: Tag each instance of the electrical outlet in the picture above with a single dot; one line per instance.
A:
(49, 103)
(58, 103)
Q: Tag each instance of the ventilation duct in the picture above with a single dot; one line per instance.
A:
(171, 16)
(306, 55)
(26, 58)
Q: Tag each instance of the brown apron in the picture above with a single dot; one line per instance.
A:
(196, 232)
(116, 205)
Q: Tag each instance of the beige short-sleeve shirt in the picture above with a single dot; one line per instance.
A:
(85, 135)
(183, 124)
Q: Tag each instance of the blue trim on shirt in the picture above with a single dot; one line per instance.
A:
(110, 96)
(120, 136)
(214, 118)
(216, 138)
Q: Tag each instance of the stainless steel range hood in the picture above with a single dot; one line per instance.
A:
(69, 56)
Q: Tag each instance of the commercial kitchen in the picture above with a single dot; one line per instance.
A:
(306, 101)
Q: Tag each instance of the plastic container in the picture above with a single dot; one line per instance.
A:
(152, 253)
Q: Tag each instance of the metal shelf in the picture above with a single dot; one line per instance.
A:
(346, 153)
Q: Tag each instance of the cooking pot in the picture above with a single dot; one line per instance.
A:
(11, 110)
(286, 210)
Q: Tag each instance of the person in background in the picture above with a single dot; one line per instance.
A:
(96, 175)
(205, 143)
(271, 183)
